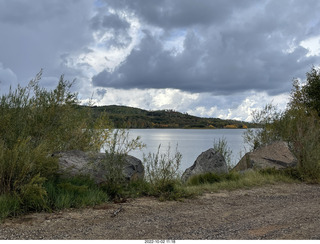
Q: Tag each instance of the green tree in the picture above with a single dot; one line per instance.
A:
(312, 89)
(308, 94)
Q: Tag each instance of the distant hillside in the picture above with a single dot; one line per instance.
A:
(128, 117)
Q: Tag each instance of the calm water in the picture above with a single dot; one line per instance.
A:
(191, 143)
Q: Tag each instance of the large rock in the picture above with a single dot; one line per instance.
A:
(276, 155)
(208, 161)
(76, 162)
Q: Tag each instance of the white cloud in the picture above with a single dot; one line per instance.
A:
(7, 78)
(198, 104)
(313, 45)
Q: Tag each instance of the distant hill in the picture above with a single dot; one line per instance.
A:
(129, 117)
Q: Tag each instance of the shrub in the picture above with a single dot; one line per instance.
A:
(162, 173)
(34, 123)
(302, 131)
(162, 169)
(268, 118)
(23, 164)
(299, 125)
(117, 147)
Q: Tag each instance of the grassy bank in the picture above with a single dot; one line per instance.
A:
(78, 192)
(234, 180)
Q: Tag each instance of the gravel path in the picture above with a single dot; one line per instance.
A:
(283, 211)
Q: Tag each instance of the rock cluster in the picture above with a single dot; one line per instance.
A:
(276, 155)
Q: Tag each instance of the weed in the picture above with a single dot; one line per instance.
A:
(222, 147)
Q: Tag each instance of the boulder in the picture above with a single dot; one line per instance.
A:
(275, 155)
(208, 161)
(76, 162)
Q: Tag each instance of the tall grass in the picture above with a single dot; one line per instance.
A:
(222, 147)
(235, 180)
(76, 192)
(9, 206)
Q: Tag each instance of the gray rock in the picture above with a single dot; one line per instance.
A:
(276, 155)
(76, 162)
(208, 161)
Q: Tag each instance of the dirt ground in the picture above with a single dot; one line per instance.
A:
(282, 211)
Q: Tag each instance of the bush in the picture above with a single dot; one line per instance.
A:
(299, 125)
(162, 173)
(117, 147)
(268, 118)
(35, 123)
(302, 131)
(22, 164)
(162, 169)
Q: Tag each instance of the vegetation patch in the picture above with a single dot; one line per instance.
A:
(213, 183)
(34, 124)
(74, 192)
(299, 125)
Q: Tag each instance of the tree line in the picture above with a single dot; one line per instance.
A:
(129, 118)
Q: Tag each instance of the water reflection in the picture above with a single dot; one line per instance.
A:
(190, 142)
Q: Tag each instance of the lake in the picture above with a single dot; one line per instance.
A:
(191, 142)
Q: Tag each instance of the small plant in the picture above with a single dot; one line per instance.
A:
(222, 147)
(162, 172)
(162, 168)
(117, 147)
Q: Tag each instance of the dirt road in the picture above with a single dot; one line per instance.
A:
(284, 211)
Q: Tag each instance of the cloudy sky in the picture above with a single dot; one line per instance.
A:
(211, 58)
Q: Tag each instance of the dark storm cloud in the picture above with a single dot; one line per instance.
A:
(34, 34)
(180, 13)
(113, 24)
(230, 46)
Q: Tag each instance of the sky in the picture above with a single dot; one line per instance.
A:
(209, 58)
